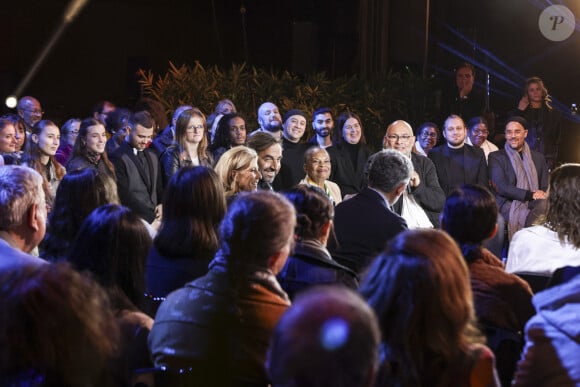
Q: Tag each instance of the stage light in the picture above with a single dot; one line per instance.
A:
(11, 101)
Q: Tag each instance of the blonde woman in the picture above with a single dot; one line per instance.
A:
(238, 170)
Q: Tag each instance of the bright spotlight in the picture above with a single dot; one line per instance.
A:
(11, 101)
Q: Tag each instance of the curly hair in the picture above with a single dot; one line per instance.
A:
(313, 210)
(563, 214)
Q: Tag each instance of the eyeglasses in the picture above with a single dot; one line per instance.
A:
(428, 135)
(395, 137)
(479, 132)
(193, 127)
(34, 111)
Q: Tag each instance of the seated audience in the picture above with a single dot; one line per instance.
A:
(477, 133)
(7, 138)
(364, 223)
(78, 194)
(220, 325)
(20, 135)
(269, 150)
(230, 132)
(69, 132)
(187, 240)
(112, 245)
(318, 166)
(427, 138)
(292, 169)
(89, 149)
(310, 262)
(57, 329)
(22, 216)
(116, 125)
(556, 242)
(167, 136)
(328, 337)
(222, 108)
(238, 171)
(419, 289)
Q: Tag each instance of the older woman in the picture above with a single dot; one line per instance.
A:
(317, 166)
(190, 144)
(220, 324)
(419, 287)
(89, 149)
(238, 170)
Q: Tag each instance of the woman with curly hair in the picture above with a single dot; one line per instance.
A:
(419, 287)
(231, 131)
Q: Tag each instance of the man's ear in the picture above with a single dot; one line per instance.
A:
(399, 190)
(277, 261)
(32, 216)
(34, 138)
(493, 232)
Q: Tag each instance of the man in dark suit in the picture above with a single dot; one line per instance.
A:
(519, 177)
(364, 223)
(456, 162)
(137, 169)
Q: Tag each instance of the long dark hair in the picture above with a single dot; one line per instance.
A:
(222, 138)
(337, 137)
(193, 206)
(80, 147)
(563, 213)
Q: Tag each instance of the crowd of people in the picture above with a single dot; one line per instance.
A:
(133, 254)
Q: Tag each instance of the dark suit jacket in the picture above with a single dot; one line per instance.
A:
(162, 141)
(475, 168)
(349, 179)
(503, 177)
(363, 225)
(139, 188)
(428, 194)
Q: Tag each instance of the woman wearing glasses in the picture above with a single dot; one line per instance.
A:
(190, 144)
(427, 137)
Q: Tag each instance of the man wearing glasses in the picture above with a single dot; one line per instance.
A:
(30, 110)
(456, 162)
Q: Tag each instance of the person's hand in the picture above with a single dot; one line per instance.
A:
(524, 102)
(415, 180)
(539, 194)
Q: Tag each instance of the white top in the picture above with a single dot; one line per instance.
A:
(420, 149)
(538, 250)
(487, 146)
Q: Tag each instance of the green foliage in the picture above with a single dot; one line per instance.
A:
(394, 95)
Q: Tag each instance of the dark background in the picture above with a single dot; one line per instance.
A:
(100, 51)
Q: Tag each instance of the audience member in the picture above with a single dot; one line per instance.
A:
(7, 138)
(292, 168)
(318, 167)
(544, 121)
(501, 300)
(89, 149)
(102, 110)
(310, 262)
(220, 324)
(519, 176)
(238, 171)
(79, 193)
(193, 206)
(269, 151)
(457, 163)
(156, 110)
(419, 289)
(329, 337)
(556, 242)
(366, 222)
(137, 168)
(39, 156)
(56, 329)
(30, 110)
(116, 125)
(269, 120)
(167, 136)
(20, 134)
(222, 108)
(112, 245)
(477, 133)
(422, 201)
(189, 147)
(349, 154)
(68, 135)
(427, 138)
(22, 215)
(466, 102)
(230, 132)
(323, 125)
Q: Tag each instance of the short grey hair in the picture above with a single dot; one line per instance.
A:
(388, 169)
(20, 187)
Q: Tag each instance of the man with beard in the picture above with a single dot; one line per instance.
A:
(269, 151)
(323, 124)
(270, 120)
(519, 175)
(456, 162)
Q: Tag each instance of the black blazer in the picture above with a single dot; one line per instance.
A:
(139, 188)
(428, 194)
(504, 181)
(349, 179)
(474, 170)
(363, 225)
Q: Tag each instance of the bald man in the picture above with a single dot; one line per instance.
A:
(270, 120)
(424, 185)
(30, 110)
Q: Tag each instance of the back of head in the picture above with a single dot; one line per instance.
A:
(56, 328)
(261, 141)
(113, 244)
(313, 210)
(257, 225)
(563, 214)
(328, 337)
(193, 206)
(388, 170)
(420, 284)
(469, 216)
(117, 119)
(20, 187)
